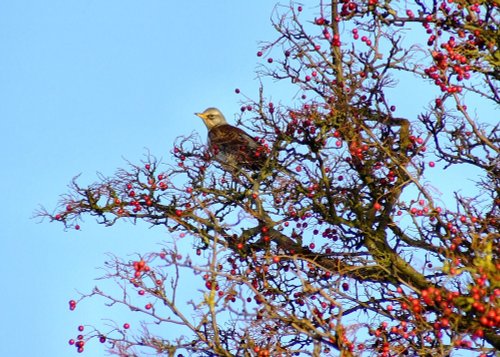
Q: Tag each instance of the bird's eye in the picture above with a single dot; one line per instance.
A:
(210, 116)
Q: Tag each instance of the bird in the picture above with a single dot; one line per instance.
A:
(230, 145)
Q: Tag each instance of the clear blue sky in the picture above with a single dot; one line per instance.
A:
(82, 85)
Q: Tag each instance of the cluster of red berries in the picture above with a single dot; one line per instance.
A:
(483, 312)
(454, 57)
(79, 342)
(140, 267)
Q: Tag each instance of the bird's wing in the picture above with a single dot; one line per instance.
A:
(228, 136)
(233, 147)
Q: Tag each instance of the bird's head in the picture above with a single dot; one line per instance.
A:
(212, 117)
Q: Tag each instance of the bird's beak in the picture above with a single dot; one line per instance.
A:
(201, 115)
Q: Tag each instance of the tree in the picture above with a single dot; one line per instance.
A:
(339, 244)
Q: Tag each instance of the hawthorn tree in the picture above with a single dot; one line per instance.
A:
(340, 244)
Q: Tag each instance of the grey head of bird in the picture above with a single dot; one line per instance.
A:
(212, 117)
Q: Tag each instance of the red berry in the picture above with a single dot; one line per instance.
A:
(126, 326)
(72, 305)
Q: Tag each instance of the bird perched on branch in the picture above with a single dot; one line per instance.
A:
(230, 145)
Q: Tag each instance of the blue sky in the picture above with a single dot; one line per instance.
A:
(84, 84)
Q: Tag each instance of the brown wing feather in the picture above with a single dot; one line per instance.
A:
(231, 135)
(230, 143)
